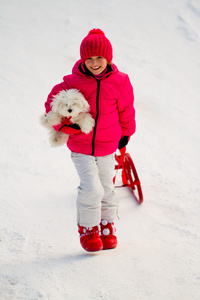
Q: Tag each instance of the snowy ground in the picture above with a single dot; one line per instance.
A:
(158, 44)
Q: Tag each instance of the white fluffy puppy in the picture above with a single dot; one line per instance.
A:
(67, 104)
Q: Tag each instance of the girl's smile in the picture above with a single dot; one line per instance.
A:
(96, 64)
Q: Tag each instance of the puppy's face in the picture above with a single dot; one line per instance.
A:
(70, 104)
(70, 108)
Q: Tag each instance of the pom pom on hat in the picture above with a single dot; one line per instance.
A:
(96, 44)
(96, 31)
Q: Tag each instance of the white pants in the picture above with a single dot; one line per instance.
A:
(96, 197)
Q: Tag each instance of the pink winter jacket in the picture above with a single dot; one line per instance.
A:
(111, 105)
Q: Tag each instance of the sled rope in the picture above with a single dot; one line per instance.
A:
(121, 165)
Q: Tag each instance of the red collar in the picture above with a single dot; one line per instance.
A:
(66, 121)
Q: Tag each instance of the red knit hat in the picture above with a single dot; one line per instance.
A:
(96, 44)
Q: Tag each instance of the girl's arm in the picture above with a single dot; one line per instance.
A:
(126, 109)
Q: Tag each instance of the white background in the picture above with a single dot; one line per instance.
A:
(158, 44)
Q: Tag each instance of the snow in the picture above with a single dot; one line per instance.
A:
(158, 44)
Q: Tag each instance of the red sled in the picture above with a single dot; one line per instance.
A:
(129, 174)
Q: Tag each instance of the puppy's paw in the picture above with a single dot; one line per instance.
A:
(58, 139)
(44, 120)
(88, 124)
(49, 119)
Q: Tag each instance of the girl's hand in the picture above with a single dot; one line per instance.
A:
(70, 129)
(123, 142)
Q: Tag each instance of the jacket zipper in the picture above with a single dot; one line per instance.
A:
(97, 115)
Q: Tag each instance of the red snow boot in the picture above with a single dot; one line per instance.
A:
(108, 236)
(90, 239)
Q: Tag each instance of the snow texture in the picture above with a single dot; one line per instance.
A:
(158, 44)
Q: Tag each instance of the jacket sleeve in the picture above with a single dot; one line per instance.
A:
(56, 89)
(126, 109)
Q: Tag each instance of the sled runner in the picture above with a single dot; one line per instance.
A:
(129, 174)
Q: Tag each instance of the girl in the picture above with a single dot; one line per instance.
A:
(110, 96)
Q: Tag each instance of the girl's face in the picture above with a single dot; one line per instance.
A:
(96, 64)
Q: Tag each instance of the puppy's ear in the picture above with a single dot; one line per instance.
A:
(84, 104)
(56, 104)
